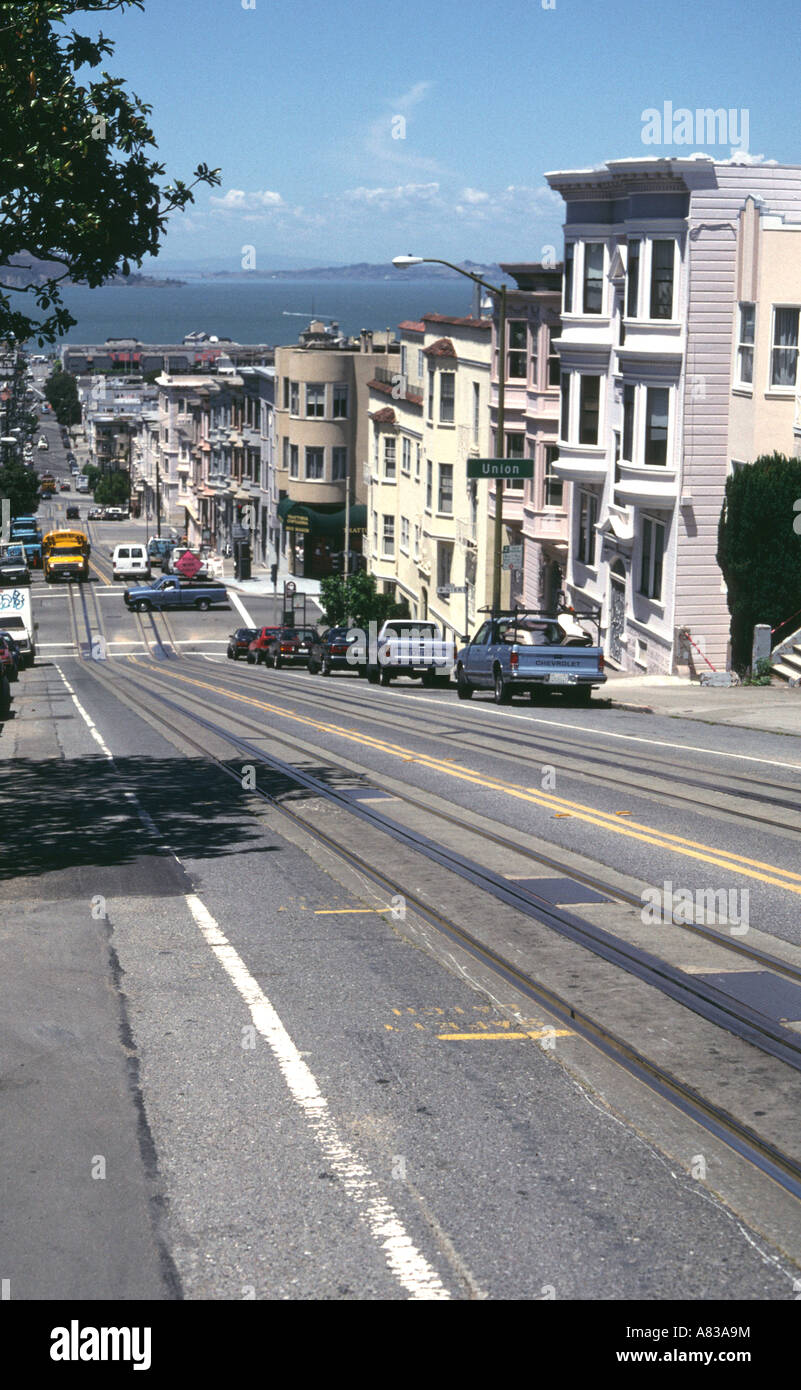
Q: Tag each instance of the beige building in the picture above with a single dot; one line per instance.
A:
(427, 524)
(321, 439)
(763, 415)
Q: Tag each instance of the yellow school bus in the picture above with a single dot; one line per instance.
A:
(65, 555)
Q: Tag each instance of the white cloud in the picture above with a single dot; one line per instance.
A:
(237, 200)
(392, 197)
(474, 195)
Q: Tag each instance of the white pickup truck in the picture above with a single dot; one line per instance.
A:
(409, 647)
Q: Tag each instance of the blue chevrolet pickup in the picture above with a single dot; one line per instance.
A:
(172, 591)
(528, 652)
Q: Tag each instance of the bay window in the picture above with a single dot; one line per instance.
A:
(652, 557)
(589, 404)
(745, 345)
(656, 425)
(593, 277)
(784, 351)
(662, 258)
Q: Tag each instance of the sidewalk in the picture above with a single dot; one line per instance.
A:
(262, 585)
(774, 708)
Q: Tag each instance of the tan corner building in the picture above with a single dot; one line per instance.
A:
(321, 440)
(427, 524)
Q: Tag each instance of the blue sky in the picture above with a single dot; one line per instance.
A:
(355, 131)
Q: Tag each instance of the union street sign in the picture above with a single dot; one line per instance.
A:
(500, 468)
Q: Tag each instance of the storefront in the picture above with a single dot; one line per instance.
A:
(314, 539)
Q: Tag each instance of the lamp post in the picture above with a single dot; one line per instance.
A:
(403, 263)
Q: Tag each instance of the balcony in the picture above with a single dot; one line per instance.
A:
(642, 486)
(581, 463)
(466, 534)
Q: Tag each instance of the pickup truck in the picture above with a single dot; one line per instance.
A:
(171, 591)
(408, 647)
(529, 652)
(14, 564)
(16, 617)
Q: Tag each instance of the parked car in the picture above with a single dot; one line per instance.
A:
(410, 647)
(257, 650)
(73, 513)
(65, 487)
(16, 655)
(95, 514)
(5, 696)
(115, 513)
(8, 662)
(335, 651)
(129, 562)
(530, 652)
(239, 642)
(289, 646)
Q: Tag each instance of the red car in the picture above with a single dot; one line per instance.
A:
(257, 650)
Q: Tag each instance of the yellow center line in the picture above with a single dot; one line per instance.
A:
(496, 1037)
(634, 830)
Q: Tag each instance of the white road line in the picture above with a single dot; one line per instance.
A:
(407, 1263)
(606, 733)
(236, 600)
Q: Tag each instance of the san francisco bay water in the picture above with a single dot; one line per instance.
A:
(255, 311)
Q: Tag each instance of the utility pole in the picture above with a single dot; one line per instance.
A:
(158, 500)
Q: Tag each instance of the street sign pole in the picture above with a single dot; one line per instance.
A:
(500, 448)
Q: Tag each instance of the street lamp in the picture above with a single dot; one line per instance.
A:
(403, 263)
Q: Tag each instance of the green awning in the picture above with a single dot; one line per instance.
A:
(315, 522)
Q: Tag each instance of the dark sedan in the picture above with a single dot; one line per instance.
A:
(290, 645)
(330, 653)
(9, 658)
(239, 642)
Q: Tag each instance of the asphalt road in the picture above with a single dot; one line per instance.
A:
(234, 1065)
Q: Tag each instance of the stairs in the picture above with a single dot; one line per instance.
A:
(786, 659)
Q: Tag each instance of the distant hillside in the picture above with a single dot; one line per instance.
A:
(29, 270)
(362, 270)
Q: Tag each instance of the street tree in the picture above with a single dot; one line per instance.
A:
(357, 599)
(759, 548)
(79, 187)
(61, 390)
(20, 485)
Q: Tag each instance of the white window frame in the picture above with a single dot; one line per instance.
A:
(592, 508)
(388, 536)
(315, 396)
(788, 308)
(404, 536)
(406, 455)
(340, 396)
(314, 477)
(441, 511)
(648, 593)
(390, 459)
(745, 345)
(339, 457)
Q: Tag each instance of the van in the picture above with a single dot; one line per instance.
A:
(130, 562)
(16, 617)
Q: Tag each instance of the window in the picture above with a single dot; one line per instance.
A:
(293, 461)
(314, 463)
(628, 423)
(617, 454)
(633, 279)
(515, 448)
(285, 454)
(446, 397)
(662, 257)
(587, 519)
(429, 484)
(388, 536)
(375, 531)
(389, 457)
(340, 402)
(417, 463)
(403, 357)
(745, 347)
(431, 380)
(286, 393)
(593, 277)
(417, 542)
(656, 425)
(653, 550)
(406, 455)
(420, 364)
(445, 500)
(476, 410)
(784, 352)
(568, 298)
(404, 540)
(516, 357)
(315, 400)
(339, 464)
(589, 398)
(564, 428)
(444, 561)
(553, 488)
(294, 398)
(553, 358)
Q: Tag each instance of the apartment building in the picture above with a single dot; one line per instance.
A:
(655, 279)
(428, 526)
(321, 440)
(534, 509)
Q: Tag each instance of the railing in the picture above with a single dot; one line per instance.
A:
(466, 533)
(779, 626)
